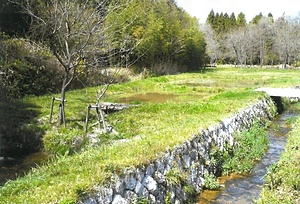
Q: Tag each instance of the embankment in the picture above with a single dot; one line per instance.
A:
(180, 172)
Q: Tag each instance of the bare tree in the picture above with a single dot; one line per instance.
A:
(237, 45)
(213, 47)
(77, 34)
(264, 35)
(287, 35)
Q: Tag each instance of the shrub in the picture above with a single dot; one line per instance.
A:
(27, 70)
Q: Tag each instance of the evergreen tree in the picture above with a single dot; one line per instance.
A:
(257, 18)
(241, 20)
(211, 18)
(270, 16)
(232, 21)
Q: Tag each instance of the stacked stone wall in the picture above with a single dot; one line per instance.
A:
(169, 178)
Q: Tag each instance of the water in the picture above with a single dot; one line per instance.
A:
(11, 168)
(148, 97)
(245, 189)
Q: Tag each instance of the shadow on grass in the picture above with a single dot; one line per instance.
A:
(20, 134)
(204, 70)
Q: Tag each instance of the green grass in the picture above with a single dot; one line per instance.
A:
(282, 182)
(202, 99)
(251, 146)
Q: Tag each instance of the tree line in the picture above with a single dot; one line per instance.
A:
(39, 40)
(36, 44)
(262, 41)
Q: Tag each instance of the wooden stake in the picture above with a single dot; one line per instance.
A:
(87, 118)
(51, 110)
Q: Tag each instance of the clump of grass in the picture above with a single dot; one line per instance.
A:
(251, 146)
(211, 182)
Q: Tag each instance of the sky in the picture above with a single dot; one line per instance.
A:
(251, 8)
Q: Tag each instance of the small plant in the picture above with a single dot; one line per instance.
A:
(276, 127)
(211, 182)
(191, 193)
(168, 198)
(175, 177)
(140, 201)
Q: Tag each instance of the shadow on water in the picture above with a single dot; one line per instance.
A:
(236, 189)
(19, 136)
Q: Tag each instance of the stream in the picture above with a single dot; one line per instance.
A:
(12, 168)
(241, 189)
(244, 189)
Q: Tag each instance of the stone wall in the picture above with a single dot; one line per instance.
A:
(173, 177)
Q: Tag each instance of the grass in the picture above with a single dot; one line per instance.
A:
(282, 182)
(202, 99)
(251, 146)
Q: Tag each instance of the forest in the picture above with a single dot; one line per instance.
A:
(264, 41)
(157, 36)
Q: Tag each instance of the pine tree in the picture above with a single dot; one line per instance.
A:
(241, 20)
(256, 19)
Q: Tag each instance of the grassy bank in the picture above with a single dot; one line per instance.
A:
(282, 182)
(188, 102)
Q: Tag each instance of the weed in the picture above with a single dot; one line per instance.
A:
(251, 146)
(174, 177)
(141, 201)
(211, 182)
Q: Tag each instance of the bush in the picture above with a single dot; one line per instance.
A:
(27, 70)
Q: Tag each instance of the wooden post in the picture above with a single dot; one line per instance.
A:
(98, 116)
(51, 110)
(87, 118)
(60, 107)
(103, 120)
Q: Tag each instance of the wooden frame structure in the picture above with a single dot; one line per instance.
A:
(51, 110)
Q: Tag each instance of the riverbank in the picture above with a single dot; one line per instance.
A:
(245, 188)
(201, 100)
(282, 182)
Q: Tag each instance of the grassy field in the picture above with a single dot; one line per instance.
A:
(185, 103)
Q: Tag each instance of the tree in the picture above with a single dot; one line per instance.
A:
(213, 47)
(257, 18)
(264, 36)
(211, 19)
(283, 41)
(241, 20)
(237, 46)
(232, 20)
(76, 33)
(287, 33)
